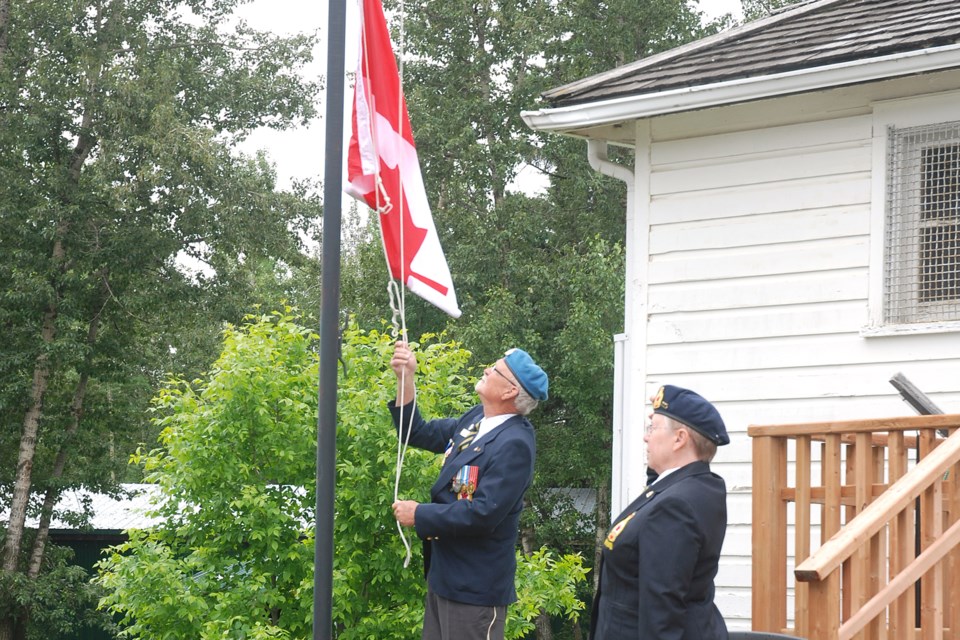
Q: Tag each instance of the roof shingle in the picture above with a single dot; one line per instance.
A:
(813, 34)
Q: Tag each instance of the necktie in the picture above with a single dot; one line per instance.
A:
(471, 434)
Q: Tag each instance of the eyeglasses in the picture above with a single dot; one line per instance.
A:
(497, 371)
(650, 428)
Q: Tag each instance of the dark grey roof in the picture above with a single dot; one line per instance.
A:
(813, 34)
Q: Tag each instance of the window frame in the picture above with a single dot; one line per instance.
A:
(898, 114)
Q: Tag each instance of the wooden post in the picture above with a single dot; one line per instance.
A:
(801, 600)
(930, 503)
(878, 553)
(830, 518)
(902, 613)
(769, 576)
(952, 563)
(861, 562)
(825, 601)
(931, 585)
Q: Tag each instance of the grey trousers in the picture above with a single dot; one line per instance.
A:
(448, 620)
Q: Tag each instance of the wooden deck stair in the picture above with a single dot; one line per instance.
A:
(883, 497)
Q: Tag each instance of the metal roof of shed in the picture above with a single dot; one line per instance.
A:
(128, 510)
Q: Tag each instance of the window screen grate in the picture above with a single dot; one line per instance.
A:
(922, 274)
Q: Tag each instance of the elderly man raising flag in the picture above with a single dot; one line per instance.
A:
(469, 529)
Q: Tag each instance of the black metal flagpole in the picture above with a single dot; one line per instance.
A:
(329, 325)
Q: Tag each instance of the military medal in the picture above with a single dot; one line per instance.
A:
(464, 484)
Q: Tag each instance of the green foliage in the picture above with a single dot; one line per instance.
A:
(545, 581)
(118, 163)
(756, 9)
(375, 596)
(118, 123)
(533, 235)
(62, 600)
(543, 271)
(233, 557)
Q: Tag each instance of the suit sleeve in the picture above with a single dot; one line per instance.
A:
(431, 436)
(670, 542)
(499, 490)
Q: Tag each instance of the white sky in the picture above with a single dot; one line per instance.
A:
(298, 153)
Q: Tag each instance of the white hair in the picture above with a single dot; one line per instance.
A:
(524, 402)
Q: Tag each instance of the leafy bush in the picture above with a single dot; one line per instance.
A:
(233, 557)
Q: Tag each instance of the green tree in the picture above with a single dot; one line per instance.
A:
(233, 556)
(756, 9)
(537, 261)
(542, 269)
(117, 126)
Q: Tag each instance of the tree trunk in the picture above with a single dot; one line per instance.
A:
(20, 629)
(602, 515)
(28, 444)
(544, 631)
(53, 494)
(28, 447)
(41, 372)
(577, 632)
(76, 413)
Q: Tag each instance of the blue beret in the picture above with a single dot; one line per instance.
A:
(531, 377)
(693, 410)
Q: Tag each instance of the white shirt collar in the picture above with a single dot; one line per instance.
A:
(663, 475)
(489, 424)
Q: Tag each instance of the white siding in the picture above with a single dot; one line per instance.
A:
(759, 246)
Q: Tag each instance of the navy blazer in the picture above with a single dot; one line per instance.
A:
(469, 546)
(660, 559)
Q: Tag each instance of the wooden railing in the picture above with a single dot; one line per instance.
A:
(889, 518)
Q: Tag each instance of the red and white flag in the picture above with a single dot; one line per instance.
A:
(383, 169)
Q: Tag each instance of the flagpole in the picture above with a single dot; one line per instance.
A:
(329, 325)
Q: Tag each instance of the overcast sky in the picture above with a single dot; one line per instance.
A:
(299, 153)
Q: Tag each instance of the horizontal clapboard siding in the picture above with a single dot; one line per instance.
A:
(757, 289)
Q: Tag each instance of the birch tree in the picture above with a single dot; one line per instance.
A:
(117, 124)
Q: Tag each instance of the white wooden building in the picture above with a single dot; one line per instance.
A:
(793, 226)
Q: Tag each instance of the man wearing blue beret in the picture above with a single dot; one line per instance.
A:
(660, 558)
(469, 529)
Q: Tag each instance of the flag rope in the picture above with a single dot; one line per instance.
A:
(396, 293)
(387, 177)
(402, 449)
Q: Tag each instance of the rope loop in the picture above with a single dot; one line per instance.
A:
(397, 311)
(399, 332)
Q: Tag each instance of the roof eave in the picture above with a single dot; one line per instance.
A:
(627, 108)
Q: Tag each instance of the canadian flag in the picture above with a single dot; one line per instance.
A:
(383, 169)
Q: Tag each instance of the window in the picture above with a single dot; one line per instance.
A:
(922, 244)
